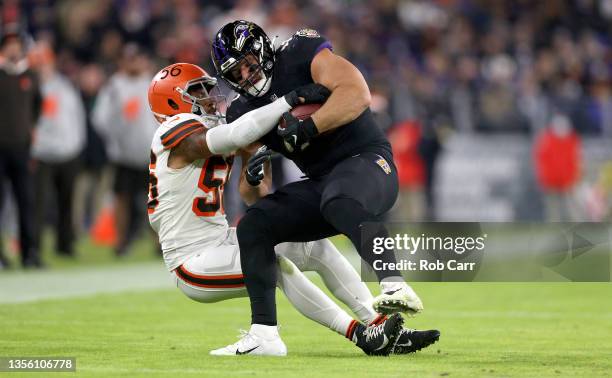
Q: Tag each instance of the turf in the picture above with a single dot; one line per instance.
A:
(87, 253)
(488, 329)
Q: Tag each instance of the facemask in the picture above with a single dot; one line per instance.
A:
(261, 87)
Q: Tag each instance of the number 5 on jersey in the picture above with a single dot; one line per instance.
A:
(213, 176)
(212, 180)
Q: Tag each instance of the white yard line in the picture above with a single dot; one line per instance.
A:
(63, 283)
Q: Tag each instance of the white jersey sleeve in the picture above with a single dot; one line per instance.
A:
(185, 205)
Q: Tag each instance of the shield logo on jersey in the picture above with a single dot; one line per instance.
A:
(382, 163)
(309, 33)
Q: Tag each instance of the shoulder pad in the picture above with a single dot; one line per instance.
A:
(178, 127)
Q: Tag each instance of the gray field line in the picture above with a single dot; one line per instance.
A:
(17, 287)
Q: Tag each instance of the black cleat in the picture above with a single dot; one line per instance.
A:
(412, 340)
(379, 339)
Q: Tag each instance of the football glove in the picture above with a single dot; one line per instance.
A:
(255, 166)
(297, 133)
(311, 93)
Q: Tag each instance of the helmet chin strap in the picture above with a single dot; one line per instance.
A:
(211, 120)
(197, 109)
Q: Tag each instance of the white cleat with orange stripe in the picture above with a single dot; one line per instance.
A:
(255, 343)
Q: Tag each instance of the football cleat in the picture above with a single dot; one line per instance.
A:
(379, 339)
(253, 345)
(397, 297)
(412, 340)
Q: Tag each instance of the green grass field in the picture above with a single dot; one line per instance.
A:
(488, 329)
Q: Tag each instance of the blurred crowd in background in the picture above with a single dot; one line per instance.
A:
(439, 71)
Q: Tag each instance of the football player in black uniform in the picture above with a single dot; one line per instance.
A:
(351, 177)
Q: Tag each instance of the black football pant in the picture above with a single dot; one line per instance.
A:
(130, 189)
(358, 189)
(58, 179)
(14, 166)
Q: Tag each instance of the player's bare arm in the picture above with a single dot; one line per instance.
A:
(350, 94)
(199, 138)
(190, 149)
(247, 129)
(248, 192)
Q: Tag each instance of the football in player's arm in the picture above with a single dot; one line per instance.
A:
(226, 138)
(346, 158)
(191, 156)
(349, 93)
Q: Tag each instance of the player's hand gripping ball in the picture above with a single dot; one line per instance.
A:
(297, 127)
(312, 93)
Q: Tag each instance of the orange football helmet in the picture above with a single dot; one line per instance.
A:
(184, 88)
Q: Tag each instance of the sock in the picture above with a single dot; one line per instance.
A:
(309, 300)
(341, 279)
(353, 330)
(347, 215)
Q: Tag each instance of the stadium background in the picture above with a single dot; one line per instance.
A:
(497, 111)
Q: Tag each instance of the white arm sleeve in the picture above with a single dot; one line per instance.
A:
(246, 129)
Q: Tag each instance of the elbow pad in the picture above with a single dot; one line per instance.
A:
(247, 129)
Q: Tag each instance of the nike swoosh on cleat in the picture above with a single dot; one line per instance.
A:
(246, 351)
(384, 344)
(392, 292)
(409, 343)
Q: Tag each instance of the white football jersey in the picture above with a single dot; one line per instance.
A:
(185, 205)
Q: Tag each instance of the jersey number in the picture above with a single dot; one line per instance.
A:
(153, 192)
(202, 206)
(211, 204)
(175, 71)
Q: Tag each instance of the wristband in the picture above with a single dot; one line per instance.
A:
(309, 127)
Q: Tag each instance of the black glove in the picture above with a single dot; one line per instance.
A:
(311, 93)
(296, 133)
(255, 166)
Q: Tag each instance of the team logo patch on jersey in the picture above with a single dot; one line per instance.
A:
(382, 163)
(310, 33)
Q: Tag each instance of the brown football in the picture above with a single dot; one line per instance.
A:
(302, 112)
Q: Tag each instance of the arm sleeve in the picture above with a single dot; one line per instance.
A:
(246, 129)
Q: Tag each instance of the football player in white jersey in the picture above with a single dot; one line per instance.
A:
(191, 157)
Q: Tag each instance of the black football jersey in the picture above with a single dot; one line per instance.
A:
(291, 70)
